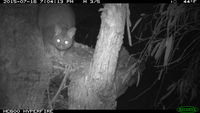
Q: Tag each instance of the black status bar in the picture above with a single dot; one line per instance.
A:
(96, 1)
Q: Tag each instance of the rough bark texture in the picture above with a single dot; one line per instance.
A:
(96, 90)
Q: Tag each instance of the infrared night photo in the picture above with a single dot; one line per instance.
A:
(92, 56)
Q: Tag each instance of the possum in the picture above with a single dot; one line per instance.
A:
(56, 23)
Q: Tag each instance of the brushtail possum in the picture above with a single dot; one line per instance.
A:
(56, 23)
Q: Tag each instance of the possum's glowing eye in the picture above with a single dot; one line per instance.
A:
(58, 40)
(66, 42)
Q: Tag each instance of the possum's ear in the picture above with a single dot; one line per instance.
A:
(57, 30)
(71, 32)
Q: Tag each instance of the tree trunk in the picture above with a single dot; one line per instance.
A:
(96, 90)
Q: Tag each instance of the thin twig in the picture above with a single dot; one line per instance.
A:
(147, 89)
(60, 88)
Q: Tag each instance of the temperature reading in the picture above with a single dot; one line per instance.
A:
(189, 1)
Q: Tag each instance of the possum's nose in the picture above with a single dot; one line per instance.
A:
(61, 47)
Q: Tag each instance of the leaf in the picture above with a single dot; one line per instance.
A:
(136, 23)
(170, 89)
(155, 48)
(160, 74)
(138, 79)
(168, 44)
(160, 49)
(149, 48)
(161, 8)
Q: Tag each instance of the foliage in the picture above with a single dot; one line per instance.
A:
(169, 26)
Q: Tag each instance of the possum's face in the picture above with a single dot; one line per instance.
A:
(63, 38)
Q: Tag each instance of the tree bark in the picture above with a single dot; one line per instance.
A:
(96, 90)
